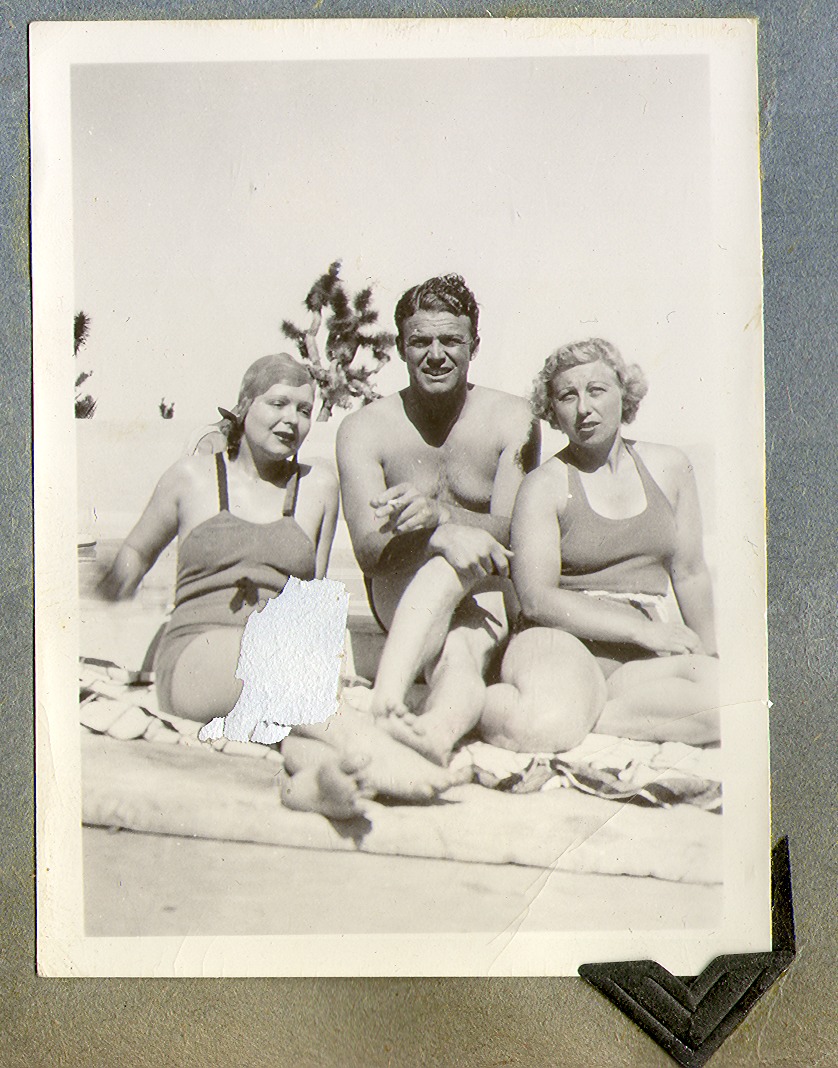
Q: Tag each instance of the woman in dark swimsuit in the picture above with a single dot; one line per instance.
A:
(244, 524)
(600, 533)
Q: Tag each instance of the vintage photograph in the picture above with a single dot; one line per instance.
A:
(466, 317)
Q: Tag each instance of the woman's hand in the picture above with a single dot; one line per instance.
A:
(124, 575)
(671, 638)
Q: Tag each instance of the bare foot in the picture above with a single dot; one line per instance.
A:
(333, 788)
(390, 768)
(342, 789)
(400, 771)
(382, 707)
(421, 734)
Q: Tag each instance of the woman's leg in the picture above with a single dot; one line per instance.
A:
(665, 699)
(551, 694)
(203, 682)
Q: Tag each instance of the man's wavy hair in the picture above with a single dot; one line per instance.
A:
(631, 379)
(447, 293)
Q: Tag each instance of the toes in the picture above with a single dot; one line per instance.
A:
(339, 793)
(353, 762)
(423, 791)
(460, 776)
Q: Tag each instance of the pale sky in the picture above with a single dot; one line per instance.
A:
(572, 194)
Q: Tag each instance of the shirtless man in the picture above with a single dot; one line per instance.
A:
(428, 478)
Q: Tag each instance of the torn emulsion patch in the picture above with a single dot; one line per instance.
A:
(289, 664)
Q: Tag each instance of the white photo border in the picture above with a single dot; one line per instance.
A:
(63, 948)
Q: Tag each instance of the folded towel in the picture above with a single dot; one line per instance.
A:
(657, 775)
(193, 791)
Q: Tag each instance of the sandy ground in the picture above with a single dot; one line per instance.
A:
(140, 884)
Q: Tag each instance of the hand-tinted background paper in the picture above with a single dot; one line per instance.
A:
(478, 1021)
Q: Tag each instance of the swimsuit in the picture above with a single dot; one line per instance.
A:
(623, 561)
(228, 567)
(617, 555)
(371, 599)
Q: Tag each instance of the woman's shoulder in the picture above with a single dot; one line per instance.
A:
(189, 472)
(669, 466)
(664, 458)
(549, 480)
(319, 474)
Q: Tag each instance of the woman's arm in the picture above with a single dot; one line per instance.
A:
(155, 529)
(688, 570)
(536, 570)
(328, 487)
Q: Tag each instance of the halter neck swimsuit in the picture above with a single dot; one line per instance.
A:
(617, 555)
(228, 567)
(624, 561)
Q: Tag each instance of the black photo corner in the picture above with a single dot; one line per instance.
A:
(690, 1017)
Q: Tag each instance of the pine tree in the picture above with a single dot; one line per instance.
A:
(85, 404)
(341, 376)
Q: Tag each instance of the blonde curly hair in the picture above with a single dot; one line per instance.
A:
(631, 379)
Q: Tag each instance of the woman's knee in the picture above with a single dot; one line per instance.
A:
(559, 692)
(204, 683)
(546, 656)
(536, 727)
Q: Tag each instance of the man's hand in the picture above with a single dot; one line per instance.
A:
(471, 551)
(406, 510)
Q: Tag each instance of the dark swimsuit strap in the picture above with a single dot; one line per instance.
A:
(291, 487)
(650, 486)
(221, 475)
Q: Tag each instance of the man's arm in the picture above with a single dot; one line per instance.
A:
(406, 510)
(361, 481)
(521, 454)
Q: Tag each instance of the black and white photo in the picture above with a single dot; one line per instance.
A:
(465, 316)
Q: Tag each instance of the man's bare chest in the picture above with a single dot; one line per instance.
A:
(461, 471)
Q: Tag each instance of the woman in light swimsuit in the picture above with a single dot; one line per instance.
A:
(599, 534)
